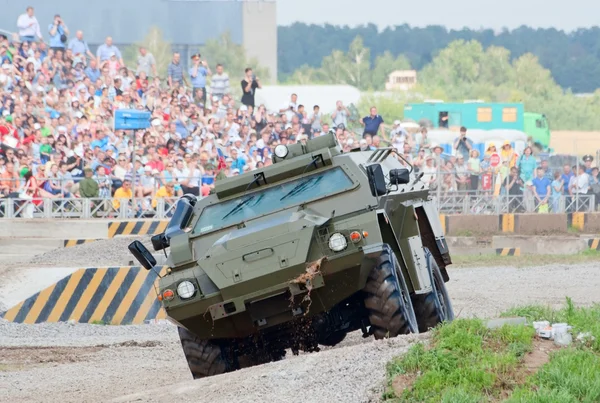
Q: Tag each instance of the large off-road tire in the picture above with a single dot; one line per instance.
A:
(434, 307)
(204, 357)
(388, 301)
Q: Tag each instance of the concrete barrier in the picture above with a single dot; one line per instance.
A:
(57, 229)
(542, 245)
(508, 251)
(540, 224)
(112, 295)
(471, 225)
(139, 227)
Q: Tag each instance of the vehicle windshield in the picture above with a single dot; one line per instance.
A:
(273, 199)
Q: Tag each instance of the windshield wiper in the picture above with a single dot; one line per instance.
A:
(301, 187)
(239, 206)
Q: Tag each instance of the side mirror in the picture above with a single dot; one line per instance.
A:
(376, 180)
(142, 255)
(399, 176)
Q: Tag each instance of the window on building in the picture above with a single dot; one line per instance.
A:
(509, 114)
(484, 114)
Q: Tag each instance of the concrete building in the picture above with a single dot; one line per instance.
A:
(401, 80)
(187, 24)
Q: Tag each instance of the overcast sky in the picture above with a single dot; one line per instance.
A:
(495, 14)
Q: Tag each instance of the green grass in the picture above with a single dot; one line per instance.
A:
(466, 362)
(467, 261)
(98, 322)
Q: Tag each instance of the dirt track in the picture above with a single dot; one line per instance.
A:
(91, 363)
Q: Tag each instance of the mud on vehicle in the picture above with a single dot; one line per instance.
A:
(300, 253)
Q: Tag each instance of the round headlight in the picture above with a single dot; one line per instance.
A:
(186, 289)
(337, 242)
(281, 151)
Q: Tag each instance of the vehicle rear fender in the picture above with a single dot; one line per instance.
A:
(410, 254)
(432, 236)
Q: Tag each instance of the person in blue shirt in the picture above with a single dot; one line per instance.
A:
(557, 191)
(587, 162)
(198, 73)
(566, 178)
(541, 187)
(92, 71)
(58, 31)
(238, 162)
(526, 165)
(373, 124)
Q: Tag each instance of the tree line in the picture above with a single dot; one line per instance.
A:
(573, 58)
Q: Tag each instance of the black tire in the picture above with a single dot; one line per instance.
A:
(204, 357)
(388, 301)
(435, 307)
(333, 339)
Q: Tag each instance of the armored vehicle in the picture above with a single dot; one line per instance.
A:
(298, 254)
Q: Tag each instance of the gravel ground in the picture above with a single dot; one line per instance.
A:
(91, 363)
(105, 252)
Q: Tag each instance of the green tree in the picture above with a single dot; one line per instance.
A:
(384, 65)
(358, 65)
(157, 45)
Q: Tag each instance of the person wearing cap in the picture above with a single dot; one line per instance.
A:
(507, 153)
(587, 162)
(398, 134)
(88, 187)
(198, 73)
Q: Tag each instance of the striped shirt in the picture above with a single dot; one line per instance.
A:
(220, 84)
(176, 72)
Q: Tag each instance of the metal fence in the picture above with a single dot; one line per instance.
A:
(87, 208)
(483, 203)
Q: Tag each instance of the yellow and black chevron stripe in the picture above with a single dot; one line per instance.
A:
(74, 242)
(594, 243)
(508, 251)
(139, 227)
(112, 295)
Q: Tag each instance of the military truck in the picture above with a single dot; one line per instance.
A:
(300, 253)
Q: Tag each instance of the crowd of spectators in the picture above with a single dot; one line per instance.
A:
(57, 112)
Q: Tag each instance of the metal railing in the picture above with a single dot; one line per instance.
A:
(485, 203)
(82, 208)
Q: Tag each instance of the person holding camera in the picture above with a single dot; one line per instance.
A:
(198, 73)
(462, 144)
(58, 34)
(249, 85)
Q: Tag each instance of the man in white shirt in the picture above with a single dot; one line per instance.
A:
(290, 108)
(340, 116)
(29, 27)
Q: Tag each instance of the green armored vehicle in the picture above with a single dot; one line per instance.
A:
(300, 253)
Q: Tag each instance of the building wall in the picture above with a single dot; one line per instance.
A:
(260, 34)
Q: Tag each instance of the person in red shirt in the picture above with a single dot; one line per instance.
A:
(156, 163)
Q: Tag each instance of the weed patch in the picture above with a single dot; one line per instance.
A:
(467, 362)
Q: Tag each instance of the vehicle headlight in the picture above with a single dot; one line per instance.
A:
(186, 289)
(281, 151)
(337, 242)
